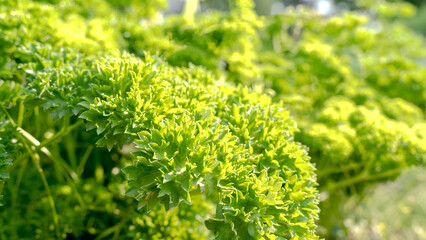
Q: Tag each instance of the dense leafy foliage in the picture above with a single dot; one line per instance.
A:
(192, 109)
(355, 83)
(358, 93)
(188, 134)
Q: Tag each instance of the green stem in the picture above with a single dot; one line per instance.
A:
(117, 231)
(36, 160)
(37, 145)
(329, 171)
(1, 187)
(69, 143)
(368, 165)
(62, 163)
(76, 192)
(37, 121)
(363, 178)
(110, 230)
(60, 134)
(40, 146)
(15, 192)
(348, 176)
(7, 114)
(24, 135)
(20, 176)
(69, 174)
(21, 113)
(84, 159)
(59, 161)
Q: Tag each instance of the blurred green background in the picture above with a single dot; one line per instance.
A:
(325, 7)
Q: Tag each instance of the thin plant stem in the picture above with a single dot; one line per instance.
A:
(21, 113)
(20, 176)
(37, 121)
(114, 229)
(363, 178)
(329, 171)
(41, 145)
(1, 187)
(84, 159)
(69, 144)
(36, 160)
(70, 175)
(348, 176)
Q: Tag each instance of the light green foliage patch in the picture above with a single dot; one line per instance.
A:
(355, 83)
(195, 139)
